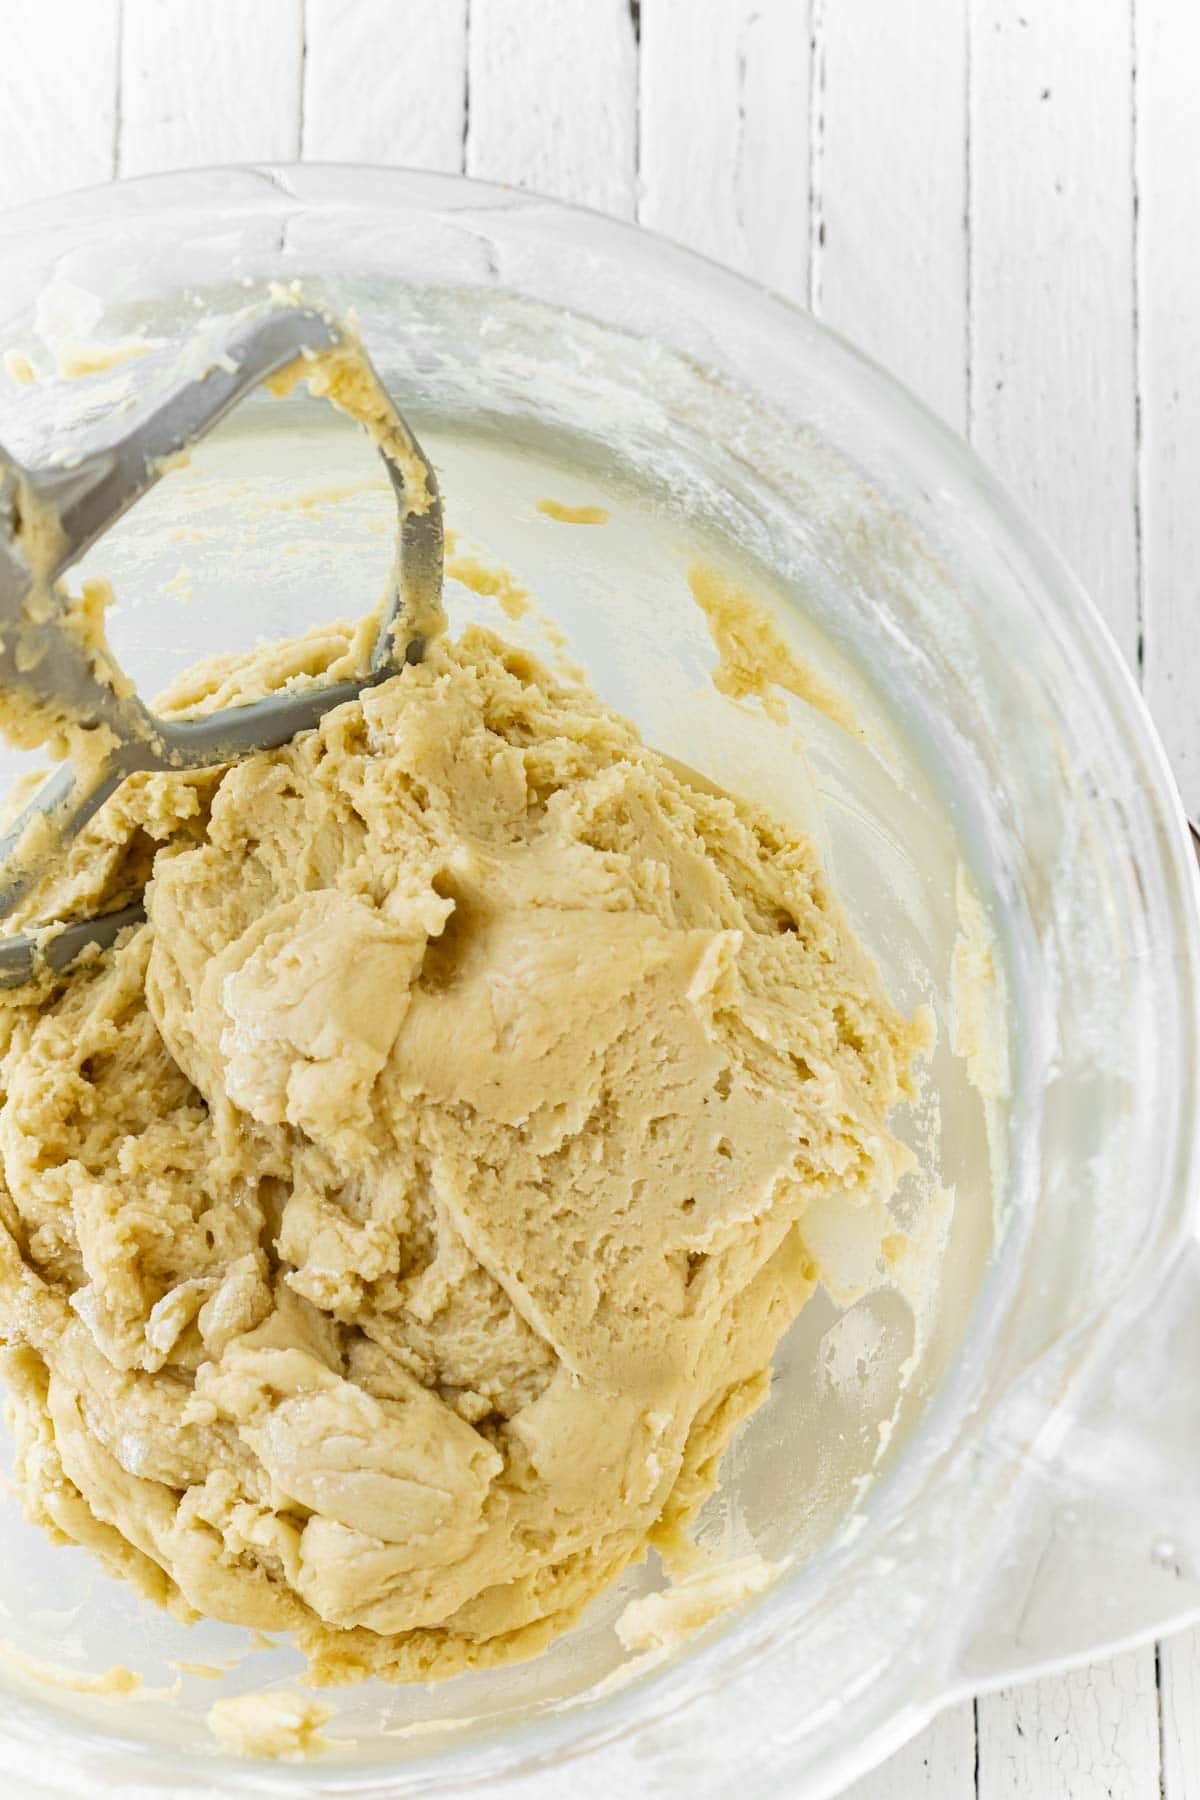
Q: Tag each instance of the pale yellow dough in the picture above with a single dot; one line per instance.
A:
(396, 1226)
(282, 1725)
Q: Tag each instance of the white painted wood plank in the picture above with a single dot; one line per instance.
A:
(939, 1764)
(207, 83)
(889, 203)
(58, 95)
(1179, 1694)
(553, 98)
(1053, 399)
(1084, 1736)
(724, 132)
(1168, 129)
(385, 82)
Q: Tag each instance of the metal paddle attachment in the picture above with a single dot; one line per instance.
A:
(50, 517)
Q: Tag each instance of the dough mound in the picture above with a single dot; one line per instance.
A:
(396, 1225)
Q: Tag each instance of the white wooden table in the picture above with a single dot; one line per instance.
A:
(1000, 199)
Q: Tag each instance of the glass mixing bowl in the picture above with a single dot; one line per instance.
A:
(978, 1469)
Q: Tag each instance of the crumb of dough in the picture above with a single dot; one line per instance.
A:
(181, 586)
(573, 515)
(663, 1620)
(396, 1226)
(115, 1683)
(281, 1725)
(754, 660)
(487, 578)
(420, 1728)
(343, 376)
(18, 368)
(75, 358)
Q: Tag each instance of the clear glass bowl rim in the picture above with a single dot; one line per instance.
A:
(332, 186)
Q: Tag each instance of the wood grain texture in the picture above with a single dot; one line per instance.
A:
(724, 132)
(939, 1764)
(1179, 1699)
(1168, 170)
(890, 199)
(210, 83)
(58, 97)
(553, 98)
(1089, 1735)
(385, 82)
(1053, 362)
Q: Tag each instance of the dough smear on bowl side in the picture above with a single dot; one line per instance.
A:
(396, 1225)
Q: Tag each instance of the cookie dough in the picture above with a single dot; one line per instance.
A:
(279, 1724)
(395, 1227)
(573, 515)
